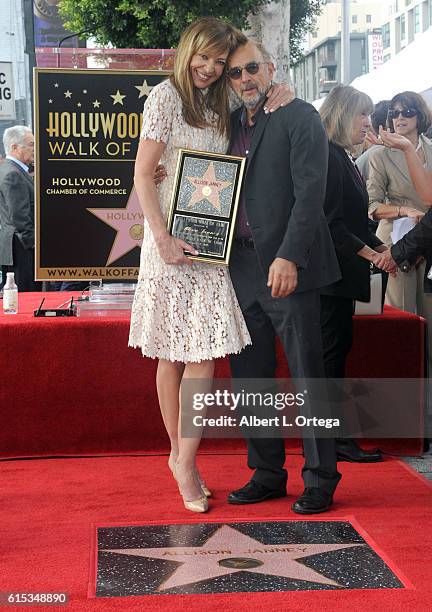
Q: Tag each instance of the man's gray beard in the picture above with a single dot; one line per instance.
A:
(252, 102)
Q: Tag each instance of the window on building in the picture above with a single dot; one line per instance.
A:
(354, 19)
(402, 27)
(385, 30)
(416, 19)
(368, 18)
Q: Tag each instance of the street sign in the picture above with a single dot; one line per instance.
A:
(7, 98)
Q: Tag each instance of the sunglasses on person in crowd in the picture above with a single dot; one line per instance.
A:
(251, 68)
(406, 112)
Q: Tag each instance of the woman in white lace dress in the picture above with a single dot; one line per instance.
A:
(184, 314)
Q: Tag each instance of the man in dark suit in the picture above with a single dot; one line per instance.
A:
(17, 236)
(282, 254)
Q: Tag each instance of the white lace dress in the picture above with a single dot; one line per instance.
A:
(182, 313)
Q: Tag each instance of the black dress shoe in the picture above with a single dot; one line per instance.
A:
(348, 450)
(312, 501)
(254, 492)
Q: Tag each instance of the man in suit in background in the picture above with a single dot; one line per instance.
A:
(282, 254)
(17, 233)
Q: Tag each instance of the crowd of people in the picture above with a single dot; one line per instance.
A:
(304, 240)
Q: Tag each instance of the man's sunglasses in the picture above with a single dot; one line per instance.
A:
(406, 112)
(251, 68)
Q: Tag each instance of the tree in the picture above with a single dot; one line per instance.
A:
(154, 24)
(302, 19)
(158, 23)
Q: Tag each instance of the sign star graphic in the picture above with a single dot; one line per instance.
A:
(207, 187)
(96, 104)
(129, 223)
(117, 98)
(144, 89)
(230, 545)
(68, 94)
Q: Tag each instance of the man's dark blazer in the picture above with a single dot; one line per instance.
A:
(284, 191)
(417, 242)
(16, 209)
(346, 210)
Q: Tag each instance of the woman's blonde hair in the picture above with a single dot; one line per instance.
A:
(338, 111)
(211, 36)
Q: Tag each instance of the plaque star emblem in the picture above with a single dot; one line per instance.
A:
(96, 104)
(207, 187)
(56, 84)
(129, 223)
(117, 98)
(79, 104)
(144, 89)
(50, 101)
(68, 94)
(228, 551)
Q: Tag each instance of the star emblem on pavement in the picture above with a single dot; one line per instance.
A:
(68, 94)
(228, 551)
(207, 187)
(129, 223)
(117, 98)
(144, 89)
(96, 104)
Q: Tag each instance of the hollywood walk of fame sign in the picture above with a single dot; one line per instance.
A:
(233, 557)
(89, 223)
(204, 202)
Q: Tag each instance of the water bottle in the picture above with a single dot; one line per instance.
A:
(10, 295)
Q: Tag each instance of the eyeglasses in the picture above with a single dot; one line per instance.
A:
(251, 68)
(407, 113)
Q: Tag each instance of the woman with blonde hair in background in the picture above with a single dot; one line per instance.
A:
(345, 115)
(185, 315)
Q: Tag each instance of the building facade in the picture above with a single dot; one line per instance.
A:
(406, 20)
(364, 16)
(320, 69)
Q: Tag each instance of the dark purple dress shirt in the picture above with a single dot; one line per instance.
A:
(241, 146)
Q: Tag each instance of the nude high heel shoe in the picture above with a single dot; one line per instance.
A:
(196, 505)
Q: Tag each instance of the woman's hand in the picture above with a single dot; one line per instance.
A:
(393, 140)
(279, 94)
(160, 174)
(413, 213)
(384, 261)
(172, 249)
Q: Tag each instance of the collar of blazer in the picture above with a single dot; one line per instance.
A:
(18, 168)
(260, 126)
(349, 164)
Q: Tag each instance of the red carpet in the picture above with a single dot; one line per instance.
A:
(71, 386)
(49, 509)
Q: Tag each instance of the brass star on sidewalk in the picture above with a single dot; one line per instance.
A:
(228, 551)
(207, 187)
(117, 98)
(144, 89)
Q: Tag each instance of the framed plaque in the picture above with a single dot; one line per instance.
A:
(204, 202)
